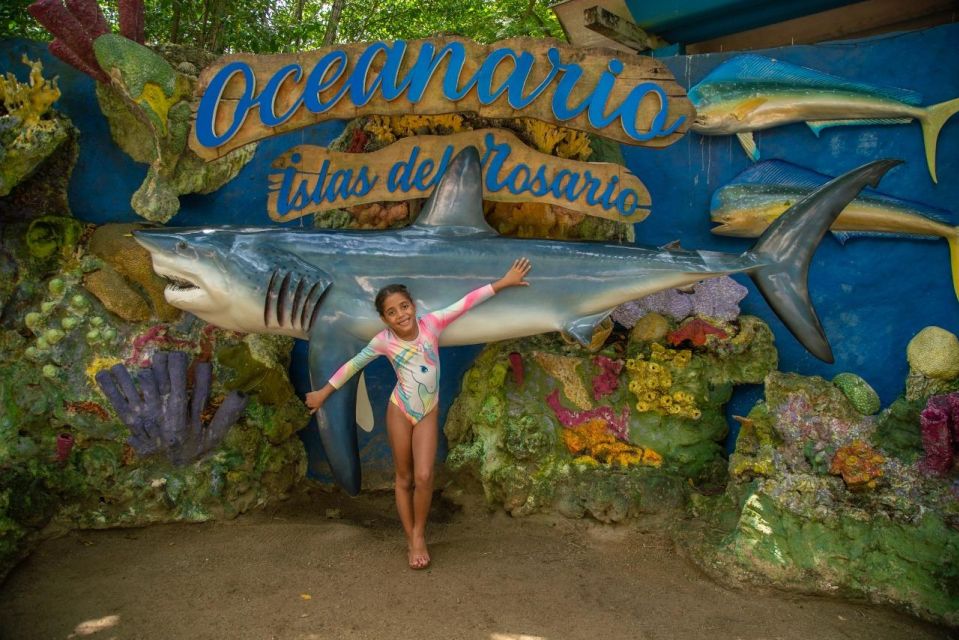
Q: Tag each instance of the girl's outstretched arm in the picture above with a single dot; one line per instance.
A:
(513, 278)
(315, 399)
(516, 275)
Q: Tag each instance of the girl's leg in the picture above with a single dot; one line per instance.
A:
(425, 435)
(400, 433)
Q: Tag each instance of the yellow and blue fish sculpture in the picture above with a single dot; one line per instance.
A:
(745, 207)
(751, 92)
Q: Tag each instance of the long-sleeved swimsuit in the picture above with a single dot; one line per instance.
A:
(416, 361)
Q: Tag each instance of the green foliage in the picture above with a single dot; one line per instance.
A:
(272, 26)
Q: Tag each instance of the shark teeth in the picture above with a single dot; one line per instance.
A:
(179, 284)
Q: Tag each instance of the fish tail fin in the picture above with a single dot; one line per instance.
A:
(782, 254)
(953, 241)
(932, 121)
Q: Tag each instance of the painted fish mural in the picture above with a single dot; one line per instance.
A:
(320, 284)
(745, 207)
(751, 92)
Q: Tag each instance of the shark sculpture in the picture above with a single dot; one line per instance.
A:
(319, 285)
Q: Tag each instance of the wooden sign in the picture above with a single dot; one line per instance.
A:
(630, 98)
(307, 178)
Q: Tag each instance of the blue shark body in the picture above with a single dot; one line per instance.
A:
(319, 285)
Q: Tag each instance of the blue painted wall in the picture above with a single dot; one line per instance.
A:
(872, 295)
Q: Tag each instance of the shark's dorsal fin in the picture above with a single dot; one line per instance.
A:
(672, 246)
(582, 329)
(455, 208)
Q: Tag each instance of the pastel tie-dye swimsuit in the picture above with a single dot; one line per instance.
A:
(416, 361)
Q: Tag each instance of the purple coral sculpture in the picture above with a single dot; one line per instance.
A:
(716, 298)
(161, 416)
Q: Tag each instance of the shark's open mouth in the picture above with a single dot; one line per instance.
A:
(178, 284)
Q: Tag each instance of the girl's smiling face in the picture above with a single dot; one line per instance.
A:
(399, 314)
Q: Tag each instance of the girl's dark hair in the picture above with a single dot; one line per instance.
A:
(387, 291)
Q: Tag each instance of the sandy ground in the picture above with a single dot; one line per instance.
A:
(325, 566)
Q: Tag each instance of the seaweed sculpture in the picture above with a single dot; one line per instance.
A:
(161, 416)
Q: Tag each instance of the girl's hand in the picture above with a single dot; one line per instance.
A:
(516, 275)
(315, 399)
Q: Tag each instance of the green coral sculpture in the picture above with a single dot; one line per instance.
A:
(147, 104)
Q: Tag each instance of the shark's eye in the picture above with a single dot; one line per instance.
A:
(183, 248)
(424, 369)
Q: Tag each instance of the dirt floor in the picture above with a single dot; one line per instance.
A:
(325, 566)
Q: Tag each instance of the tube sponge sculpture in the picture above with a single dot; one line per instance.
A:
(161, 416)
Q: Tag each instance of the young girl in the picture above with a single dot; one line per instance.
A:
(412, 345)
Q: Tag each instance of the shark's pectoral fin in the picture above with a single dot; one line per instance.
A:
(582, 329)
(364, 409)
(336, 421)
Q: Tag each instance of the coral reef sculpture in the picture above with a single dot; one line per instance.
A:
(618, 425)
(565, 369)
(716, 298)
(696, 331)
(161, 417)
(29, 130)
(592, 444)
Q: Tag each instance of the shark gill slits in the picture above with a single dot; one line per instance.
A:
(295, 313)
(282, 298)
(309, 304)
(316, 308)
(270, 300)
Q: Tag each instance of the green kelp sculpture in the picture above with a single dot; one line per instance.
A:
(818, 503)
(147, 104)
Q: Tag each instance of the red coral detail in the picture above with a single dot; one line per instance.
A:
(358, 141)
(131, 19)
(608, 379)
(695, 330)
(64, 447)
(939, 422)
(617, 425)
(516, 366)
(87, 406)
(156, 336)
(73, 31)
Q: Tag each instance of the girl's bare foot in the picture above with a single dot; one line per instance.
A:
(419, 555)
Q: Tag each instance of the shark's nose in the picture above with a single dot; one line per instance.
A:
(156, 241)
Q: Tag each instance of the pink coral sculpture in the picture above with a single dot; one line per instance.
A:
(939, 422)
(936, 441)
(516, 366)
(76, 24)
(617, 425)
(608, 379)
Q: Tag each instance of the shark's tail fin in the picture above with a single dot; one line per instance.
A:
(786, 248)
(932, 120)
